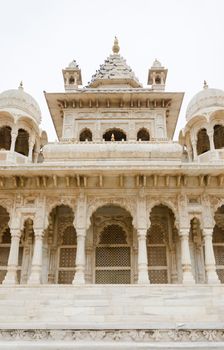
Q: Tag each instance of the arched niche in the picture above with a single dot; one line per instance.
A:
(162, 246)
(218, 242)
(22, 142)
(203, 144)
(5, 138)
(218, 136)
(143, 135)
(5, 242)
(86, 135)
(111, 237)
(61, 240)
(114, 134)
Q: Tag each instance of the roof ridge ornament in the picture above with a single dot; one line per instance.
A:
(205, 84)
(20, 85)
(116, 47)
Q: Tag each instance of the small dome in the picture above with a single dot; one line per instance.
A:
(204, 101)
(19, 99)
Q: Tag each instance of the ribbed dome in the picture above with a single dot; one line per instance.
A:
(19, 99)
(208, 98)
(115, 71)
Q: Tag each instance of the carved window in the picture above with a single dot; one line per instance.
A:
(5, 138)
(85, 135)
(218, 242)
(4, 253)
(218, 136)
(113, 257)
(157, 255)
(114, 135)
(203, 144)
(143, 135)
(67, 256)
(22, 142)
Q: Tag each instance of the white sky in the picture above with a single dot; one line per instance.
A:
(40, 37)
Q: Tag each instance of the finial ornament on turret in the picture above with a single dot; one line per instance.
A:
(116, 47)
(205, 84)
(21, 85)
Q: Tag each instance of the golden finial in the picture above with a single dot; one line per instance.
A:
(205, 84)
(21, 85)
(116, 47)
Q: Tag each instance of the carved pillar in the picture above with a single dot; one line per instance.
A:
(210, 265)
(14, 134)
(143, 276)
(211, 140)
(36, 268)
(30, 154)
(142, 224)
(195, 153)
(185, 257)
(11, 275)
(80, 261)
(80, 225)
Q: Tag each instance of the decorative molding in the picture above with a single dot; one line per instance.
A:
(112, 335)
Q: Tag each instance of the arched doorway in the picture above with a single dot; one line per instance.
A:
(218, 136)
(5, 138)
(112, 237)
(203, 144)
(5, 242)
(22, 142)
(218, 242)
(85, 135)
(143, 135)
(162, 246)
(114, 135)
(197, 251)
(61, 239)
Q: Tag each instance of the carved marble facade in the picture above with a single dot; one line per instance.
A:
(115, 201)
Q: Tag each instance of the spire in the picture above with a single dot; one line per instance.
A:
(205, 84)
(20, 85)
(116, 47)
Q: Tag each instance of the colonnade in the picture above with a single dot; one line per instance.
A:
(80, 225)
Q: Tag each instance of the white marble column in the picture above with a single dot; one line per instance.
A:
(195, 153)
(14, 134)
(11, 275)
(30, 154)
(36, 268)
(80, 262)
(188, 277)
(211, 140)
(210, 265)
(143, 275)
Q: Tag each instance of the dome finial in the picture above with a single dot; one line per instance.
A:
(205, 84)
(20, 85)
(116, 47)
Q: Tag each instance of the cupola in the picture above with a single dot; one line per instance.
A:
(157, 76)
(72, 76)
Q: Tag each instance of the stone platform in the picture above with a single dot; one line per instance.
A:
(112, 317)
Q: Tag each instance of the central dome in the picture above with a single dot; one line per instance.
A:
(205, 100)
(19, 99)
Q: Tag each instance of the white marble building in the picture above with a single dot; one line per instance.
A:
(112, 237)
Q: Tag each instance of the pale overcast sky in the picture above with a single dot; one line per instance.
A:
(40, 37)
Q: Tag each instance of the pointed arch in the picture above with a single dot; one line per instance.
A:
(143, 134)
(203, 144)
(114, 134)
(86, 135)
